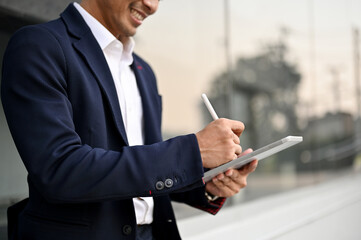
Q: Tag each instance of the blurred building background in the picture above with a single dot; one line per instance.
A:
(282, 67)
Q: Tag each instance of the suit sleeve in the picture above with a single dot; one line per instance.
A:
(62, 168)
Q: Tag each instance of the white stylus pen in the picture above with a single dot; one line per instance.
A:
(209, 106)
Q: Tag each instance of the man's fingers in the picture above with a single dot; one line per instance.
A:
(247, 151)
(240, 181)
(237, 127)
(232, 181)
(250, 167)
(236, 139)
(233, 174)
(219, 142)
(238, 150)
(222, 189)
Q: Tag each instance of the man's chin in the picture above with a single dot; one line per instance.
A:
(125, 38)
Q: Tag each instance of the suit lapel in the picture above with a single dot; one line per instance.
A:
(149, 102)
(89, 48)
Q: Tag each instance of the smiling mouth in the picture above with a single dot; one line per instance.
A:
(137, 15)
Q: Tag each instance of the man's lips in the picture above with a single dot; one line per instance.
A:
(137, 15)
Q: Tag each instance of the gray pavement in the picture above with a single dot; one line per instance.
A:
(328, 210)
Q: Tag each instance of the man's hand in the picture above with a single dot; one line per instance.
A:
(232, 181)
(219, 142)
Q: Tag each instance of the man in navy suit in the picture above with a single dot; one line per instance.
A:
(85, 115)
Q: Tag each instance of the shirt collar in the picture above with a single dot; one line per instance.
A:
(106, 40)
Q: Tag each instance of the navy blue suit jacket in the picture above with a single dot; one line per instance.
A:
(64, 116)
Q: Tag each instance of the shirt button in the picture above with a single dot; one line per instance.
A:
(168, 183)
(159, 185)
(127, 229)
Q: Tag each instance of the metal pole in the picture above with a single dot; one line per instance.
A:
(357, 66)
(229, 80)
(336, 89)
(357, 70)
(313, 57)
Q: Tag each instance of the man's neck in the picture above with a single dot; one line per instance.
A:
(124, 40)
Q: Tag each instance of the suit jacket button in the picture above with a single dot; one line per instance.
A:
(159, 185)
(169, 183)
(127, 229)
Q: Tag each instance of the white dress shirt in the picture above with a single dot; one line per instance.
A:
(119, 58)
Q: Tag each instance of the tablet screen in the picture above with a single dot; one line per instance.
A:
(258, 154)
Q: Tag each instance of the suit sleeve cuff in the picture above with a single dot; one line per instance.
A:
(212, 207)
(204, 204)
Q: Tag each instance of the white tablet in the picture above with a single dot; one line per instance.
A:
(259, 154)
